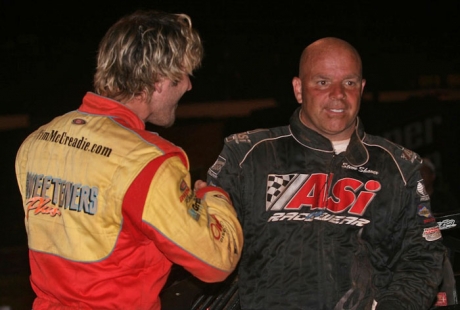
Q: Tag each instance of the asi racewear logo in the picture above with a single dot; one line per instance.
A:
(291, 192)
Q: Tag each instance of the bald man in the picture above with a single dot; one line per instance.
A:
(333, 218)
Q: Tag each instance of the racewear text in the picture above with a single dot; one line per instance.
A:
(293, 192)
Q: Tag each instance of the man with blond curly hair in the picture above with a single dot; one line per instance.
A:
(109, 206)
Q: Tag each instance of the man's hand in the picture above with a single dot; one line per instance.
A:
(199, 184)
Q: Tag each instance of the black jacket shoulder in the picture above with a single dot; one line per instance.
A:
(407, 160)
(247, 139)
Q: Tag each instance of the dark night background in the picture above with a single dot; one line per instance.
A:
(252, 48)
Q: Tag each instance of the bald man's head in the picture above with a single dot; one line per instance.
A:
(324, 47)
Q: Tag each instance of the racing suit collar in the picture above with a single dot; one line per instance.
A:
(356, 153)
(96, 104)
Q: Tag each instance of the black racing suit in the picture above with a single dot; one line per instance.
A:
(330, 231)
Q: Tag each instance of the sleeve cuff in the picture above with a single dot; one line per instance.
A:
(201, 192)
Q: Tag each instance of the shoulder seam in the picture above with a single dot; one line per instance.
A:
(259, 142)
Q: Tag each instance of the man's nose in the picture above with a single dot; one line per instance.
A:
(338, 92)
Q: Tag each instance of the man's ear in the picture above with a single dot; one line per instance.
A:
(297, 86)
(363, 83)
(159, 85)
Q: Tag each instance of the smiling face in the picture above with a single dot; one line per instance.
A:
(329, 88)
(163, 103)
(159, 108)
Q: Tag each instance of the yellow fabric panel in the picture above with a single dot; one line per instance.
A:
(199, 226)
(75, 190)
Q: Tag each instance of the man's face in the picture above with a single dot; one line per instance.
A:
(329, 90)
(161, 108)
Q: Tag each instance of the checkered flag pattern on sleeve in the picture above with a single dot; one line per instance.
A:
(276, 184)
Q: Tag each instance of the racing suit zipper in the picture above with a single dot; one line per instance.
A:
(329, 179)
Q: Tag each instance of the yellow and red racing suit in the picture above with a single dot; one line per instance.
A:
(109, 209)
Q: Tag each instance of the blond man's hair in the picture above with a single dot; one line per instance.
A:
(143, 48)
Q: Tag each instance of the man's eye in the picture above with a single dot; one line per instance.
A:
(322, 83)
